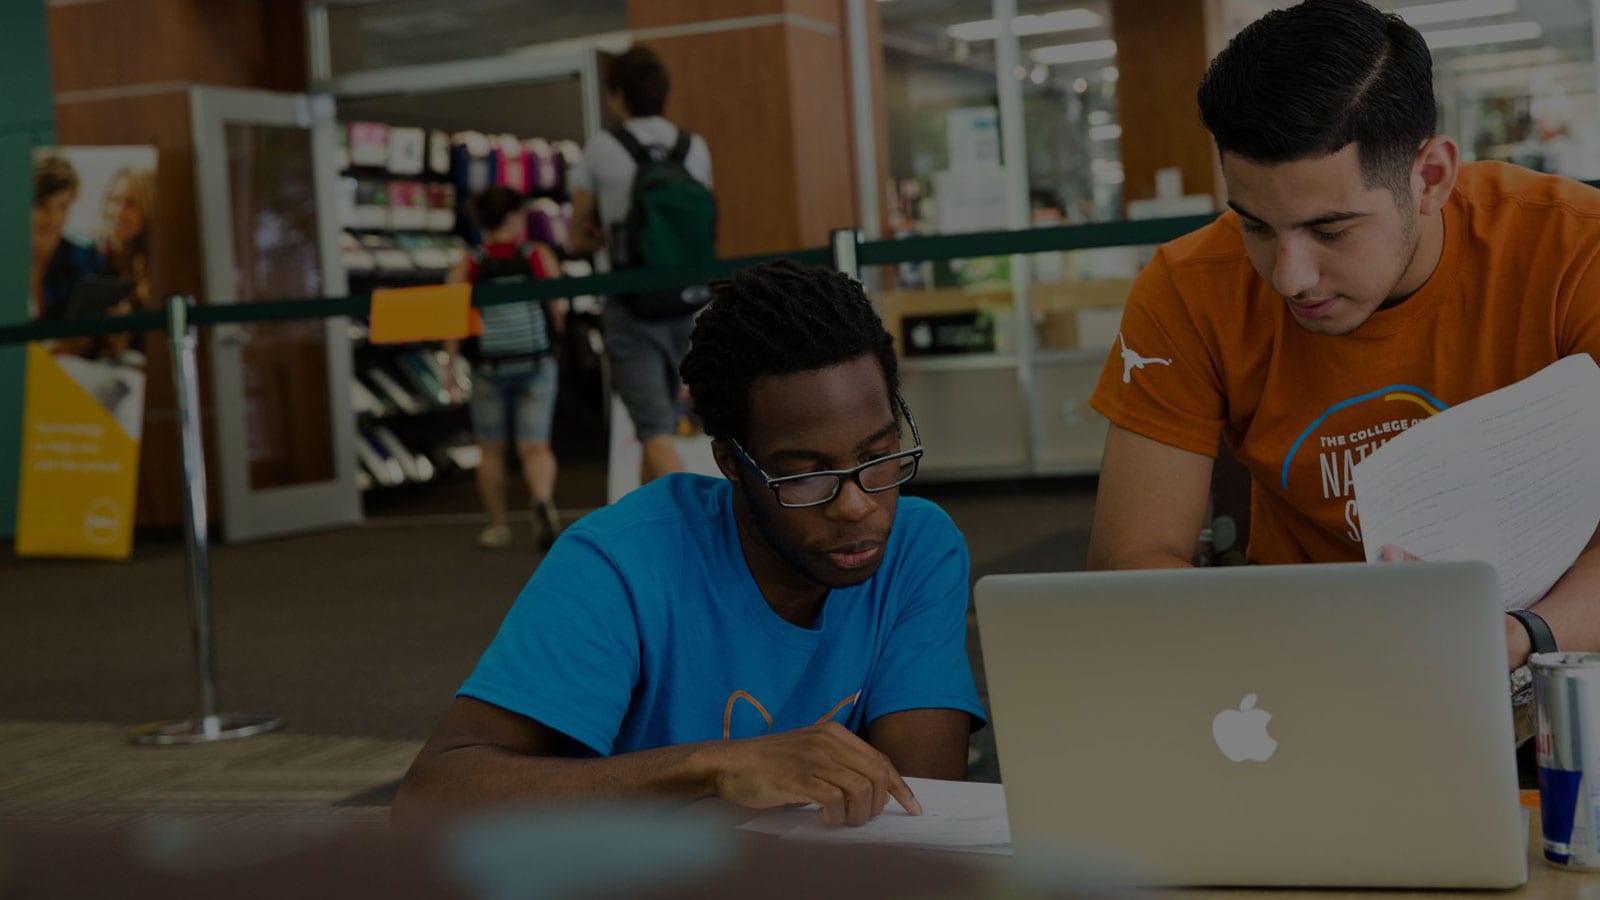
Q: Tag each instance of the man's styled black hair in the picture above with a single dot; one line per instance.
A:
(1306, 81)
(492, 207)
(642, 79)
(777, 318)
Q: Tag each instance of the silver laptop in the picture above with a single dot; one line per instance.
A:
(1317, 725)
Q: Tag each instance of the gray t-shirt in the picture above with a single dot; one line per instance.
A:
(607, 170)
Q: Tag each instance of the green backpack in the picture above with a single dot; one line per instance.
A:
(672, 221)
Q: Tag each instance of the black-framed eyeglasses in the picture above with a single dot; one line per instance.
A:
(873, 476)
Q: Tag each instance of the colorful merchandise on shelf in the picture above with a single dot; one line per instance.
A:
(369, 144)
(439, 152)
(407, 150)
(408, 205)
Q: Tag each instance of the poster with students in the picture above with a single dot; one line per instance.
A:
(83, 405)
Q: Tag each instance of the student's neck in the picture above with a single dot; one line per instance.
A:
(1424, 260)
(790, 594)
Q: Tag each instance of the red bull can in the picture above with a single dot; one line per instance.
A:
(1567, 746)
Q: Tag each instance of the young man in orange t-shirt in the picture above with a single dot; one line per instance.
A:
(1363, 280)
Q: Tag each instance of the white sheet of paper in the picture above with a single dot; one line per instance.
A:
(1511, 478)
(956, 815)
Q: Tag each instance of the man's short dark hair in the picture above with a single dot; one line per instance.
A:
(1304, 82)
(642, 79)
(777, 318)
(492, 207)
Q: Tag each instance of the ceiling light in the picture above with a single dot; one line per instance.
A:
(1061, 54)
(1022, 26)
(1483, 34)
(1454, 11)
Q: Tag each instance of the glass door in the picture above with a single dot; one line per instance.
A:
(264, 165)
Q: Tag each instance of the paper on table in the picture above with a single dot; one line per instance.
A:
(1509, 478)
(956, 815)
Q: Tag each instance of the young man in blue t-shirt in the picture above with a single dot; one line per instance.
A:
(793, 633)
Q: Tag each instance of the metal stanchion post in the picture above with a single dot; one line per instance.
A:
(210, 725)
(844, 242)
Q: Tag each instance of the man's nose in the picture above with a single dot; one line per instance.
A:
(1294, 269)
(852, 502)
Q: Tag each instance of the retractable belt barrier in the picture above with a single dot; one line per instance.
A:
(846, 253)
(869, 253)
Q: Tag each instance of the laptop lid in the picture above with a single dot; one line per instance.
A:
(1314, 725)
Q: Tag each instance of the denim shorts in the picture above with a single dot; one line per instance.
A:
(645, 354)
(514, 399)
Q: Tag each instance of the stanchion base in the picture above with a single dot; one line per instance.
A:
(205, 730)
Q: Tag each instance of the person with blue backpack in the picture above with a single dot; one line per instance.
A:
(514, 373)
(643, 193)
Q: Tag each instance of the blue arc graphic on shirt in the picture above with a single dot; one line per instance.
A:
(1346, 404)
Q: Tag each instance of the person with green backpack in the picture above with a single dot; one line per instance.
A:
(643, 193)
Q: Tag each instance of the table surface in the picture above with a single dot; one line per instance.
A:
(1545, 881)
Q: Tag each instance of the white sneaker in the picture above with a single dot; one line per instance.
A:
(495, 537)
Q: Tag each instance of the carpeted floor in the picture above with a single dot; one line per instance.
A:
(91, 774)
(363, 632)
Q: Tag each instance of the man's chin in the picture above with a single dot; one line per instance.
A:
(835, 578)
(1333, 325)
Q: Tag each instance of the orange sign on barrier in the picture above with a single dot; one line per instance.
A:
(431, 312)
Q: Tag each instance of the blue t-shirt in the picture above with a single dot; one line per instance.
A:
(644, 628)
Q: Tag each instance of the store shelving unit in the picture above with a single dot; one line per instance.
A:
(404, 195)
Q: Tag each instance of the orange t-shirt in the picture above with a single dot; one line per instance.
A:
(1208, 350)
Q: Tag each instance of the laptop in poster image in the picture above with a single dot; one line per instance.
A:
(1342, 725)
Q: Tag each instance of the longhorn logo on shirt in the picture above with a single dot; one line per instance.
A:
(1132, 360)
(736, 696)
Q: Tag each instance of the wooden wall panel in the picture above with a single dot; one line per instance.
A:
(118, 43)
(824, 152)
(730, 88)
(663, 13)
(1161, 57)
(831, 11)
(121, 43)
(880, 114)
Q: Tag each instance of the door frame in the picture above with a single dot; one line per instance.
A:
(249, 514)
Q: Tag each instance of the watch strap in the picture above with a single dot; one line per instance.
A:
(1539, 634)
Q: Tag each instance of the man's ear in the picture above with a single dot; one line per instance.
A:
(1437, 165)
(727, 460)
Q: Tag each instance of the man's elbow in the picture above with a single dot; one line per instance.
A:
(408, 807)
(1106, 556)
(428, 790)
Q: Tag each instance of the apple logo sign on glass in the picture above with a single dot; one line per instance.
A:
(1241, 734)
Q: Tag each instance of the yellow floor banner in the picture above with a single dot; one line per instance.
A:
(80, 457)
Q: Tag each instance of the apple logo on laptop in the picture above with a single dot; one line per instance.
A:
(1241, 734)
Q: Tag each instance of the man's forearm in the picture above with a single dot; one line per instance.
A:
(473, 776)
(1140, 559)
(1573, 606)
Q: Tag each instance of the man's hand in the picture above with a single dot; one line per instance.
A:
(1391, 553)
(824, 764)
(1517, 644)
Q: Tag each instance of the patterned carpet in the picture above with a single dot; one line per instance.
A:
(92, 774)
